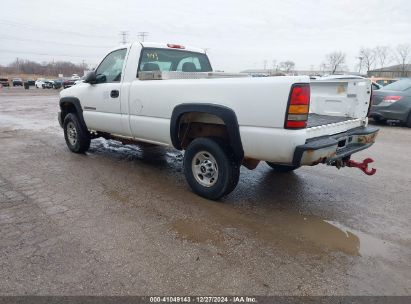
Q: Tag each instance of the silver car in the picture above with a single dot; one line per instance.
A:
(393, 102)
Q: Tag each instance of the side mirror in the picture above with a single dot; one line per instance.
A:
(91, 78)
(100, 78)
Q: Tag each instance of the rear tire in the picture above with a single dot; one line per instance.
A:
(282, 168)
(76, 135)
(210, 168)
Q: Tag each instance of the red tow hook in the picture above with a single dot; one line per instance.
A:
(362, 166)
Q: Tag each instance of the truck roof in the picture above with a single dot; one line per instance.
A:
(160, 46)
(167, 46)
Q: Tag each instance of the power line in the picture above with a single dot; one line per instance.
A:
(44, 29)
(124, 35)
(143, 35)
(53, 42)
(44, 54)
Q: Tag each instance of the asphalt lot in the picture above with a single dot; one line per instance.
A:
(121, 219)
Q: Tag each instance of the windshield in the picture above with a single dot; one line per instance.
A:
(400, 85)
(153, 59)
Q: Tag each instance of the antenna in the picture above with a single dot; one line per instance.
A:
(142, 35)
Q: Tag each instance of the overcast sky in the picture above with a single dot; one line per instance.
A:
(239, 34)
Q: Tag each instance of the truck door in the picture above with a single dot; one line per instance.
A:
(101, 101)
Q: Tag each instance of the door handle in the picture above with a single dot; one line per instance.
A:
(114, 93)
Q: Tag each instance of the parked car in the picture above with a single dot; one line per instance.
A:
(57, 83)
(211, 118)
(31, 82)
(383, 81)
(376, 86)
(393, 102)
(4, 82)
(342, 76)
(79, 81)
(39, 83)
(48, 84)
(68, 83)
(17, 82)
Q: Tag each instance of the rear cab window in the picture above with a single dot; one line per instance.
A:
(166, 60)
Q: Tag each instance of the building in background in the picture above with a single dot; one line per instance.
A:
(394, 71)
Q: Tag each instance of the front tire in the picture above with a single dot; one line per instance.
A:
(210, 168)
(282, 168)
(76, 135)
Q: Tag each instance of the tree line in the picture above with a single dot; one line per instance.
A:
(52, 68)
(370, 58)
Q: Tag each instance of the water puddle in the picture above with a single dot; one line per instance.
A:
(16, 123)
(295, 233)
(225, 224)
(368, 244)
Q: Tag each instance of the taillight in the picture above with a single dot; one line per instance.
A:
(298, 107)
(392, 99)
(176, 46)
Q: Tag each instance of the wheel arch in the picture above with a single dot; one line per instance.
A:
(227, 115)
(71, 105)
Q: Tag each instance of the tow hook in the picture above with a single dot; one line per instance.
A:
(362, 166)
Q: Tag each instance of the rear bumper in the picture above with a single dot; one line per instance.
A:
(396, 111)
(327, 149)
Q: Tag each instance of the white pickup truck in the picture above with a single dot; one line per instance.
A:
(167, 94)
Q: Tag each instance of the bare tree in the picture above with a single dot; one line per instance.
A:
(382, 55)
(403, 54)
(335, 61)
(45, 68)
(287, 66)
(368, 58)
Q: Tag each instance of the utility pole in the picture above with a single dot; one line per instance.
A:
(142, 35)
(265, 64)
(124, 35)
(274, 63)
(360, 64)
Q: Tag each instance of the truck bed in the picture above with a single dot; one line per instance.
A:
(315, 120)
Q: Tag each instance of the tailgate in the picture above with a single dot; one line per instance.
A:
(338, 105)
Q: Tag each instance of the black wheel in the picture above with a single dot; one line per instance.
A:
(76, 135)
(210, 168)
(379, 120)
(282, 168)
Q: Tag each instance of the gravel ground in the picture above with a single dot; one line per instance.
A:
(121, 220)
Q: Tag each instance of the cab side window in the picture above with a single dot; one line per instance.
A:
(111, 67)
